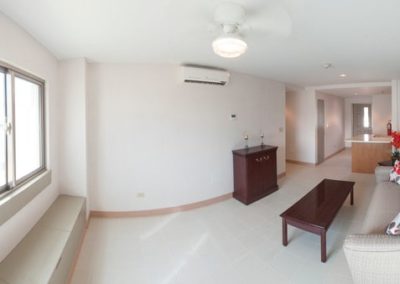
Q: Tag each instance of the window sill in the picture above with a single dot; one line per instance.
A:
(14, 201)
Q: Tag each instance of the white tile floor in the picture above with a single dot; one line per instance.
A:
(227, 242)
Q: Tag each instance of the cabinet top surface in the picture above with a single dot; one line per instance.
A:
(254, 150)
(368, 138)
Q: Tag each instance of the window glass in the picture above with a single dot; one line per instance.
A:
(27, 127)
(3, 149)
(21, 128)
(366, 117)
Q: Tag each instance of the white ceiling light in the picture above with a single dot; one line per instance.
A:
(232, 20)
(229, 45)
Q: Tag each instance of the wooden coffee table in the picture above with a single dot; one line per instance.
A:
(315, 212)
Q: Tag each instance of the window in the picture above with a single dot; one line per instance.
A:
(361, 119)
(366, 117)
(22, 152)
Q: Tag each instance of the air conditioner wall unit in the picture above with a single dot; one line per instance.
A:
(201, 75)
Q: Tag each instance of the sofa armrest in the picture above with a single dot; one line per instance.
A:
(382, 173)
(373, 258)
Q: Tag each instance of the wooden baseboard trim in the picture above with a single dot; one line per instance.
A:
(300, 163)
(334, 154)
(316, 164)
(282, 175)
(161, 211)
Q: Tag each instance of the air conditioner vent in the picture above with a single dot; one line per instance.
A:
(222, 83)
(200, 75)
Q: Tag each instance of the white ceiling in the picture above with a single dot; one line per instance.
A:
(359, 91)
(360, 37)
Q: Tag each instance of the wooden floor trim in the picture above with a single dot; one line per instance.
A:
(300, 163)
(161, 211)
(315, 164)
(334, 154)
(282, 175)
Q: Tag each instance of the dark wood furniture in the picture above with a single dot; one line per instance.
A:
(254, 171)
(315, 212)
(386, 163)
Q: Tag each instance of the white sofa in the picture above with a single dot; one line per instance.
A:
(373, 256)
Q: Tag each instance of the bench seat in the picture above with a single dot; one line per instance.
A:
(47, 252)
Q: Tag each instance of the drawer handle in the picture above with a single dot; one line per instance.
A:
(263, 158)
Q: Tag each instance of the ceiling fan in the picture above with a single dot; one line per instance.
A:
(232, 23)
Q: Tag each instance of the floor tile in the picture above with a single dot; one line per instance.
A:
(227, 242)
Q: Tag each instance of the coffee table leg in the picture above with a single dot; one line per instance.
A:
(352, 197)
(284, 232)
(323, 246)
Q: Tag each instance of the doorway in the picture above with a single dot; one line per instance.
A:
(362, 116)
(320, 131)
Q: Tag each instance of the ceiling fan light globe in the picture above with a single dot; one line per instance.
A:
(229, 46)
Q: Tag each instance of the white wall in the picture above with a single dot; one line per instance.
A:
(72, 116)
(381, 113)
(19, 49)
(172, 141)
(334, 123)
(395, 104)
(301, 119)
(301, 124)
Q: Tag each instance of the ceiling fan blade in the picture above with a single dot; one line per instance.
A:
(273, 21)
(214, 28)
(229, 13)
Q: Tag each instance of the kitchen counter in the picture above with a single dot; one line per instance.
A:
(368, 138)
(367, 150)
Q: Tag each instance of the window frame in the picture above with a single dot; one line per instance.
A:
(357, 118)
(14, 184)
(5, 188)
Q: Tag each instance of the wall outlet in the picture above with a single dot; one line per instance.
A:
(233, 116)
(280, 129)
(140, 195)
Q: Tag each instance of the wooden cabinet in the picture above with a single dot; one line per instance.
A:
(255, 174)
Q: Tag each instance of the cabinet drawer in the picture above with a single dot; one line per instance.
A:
(260, 158)
(257, 167)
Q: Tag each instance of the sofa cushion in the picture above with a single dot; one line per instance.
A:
(373, 258)
(384, 205)
(394, 226)
(382, 173)
(395, 172)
